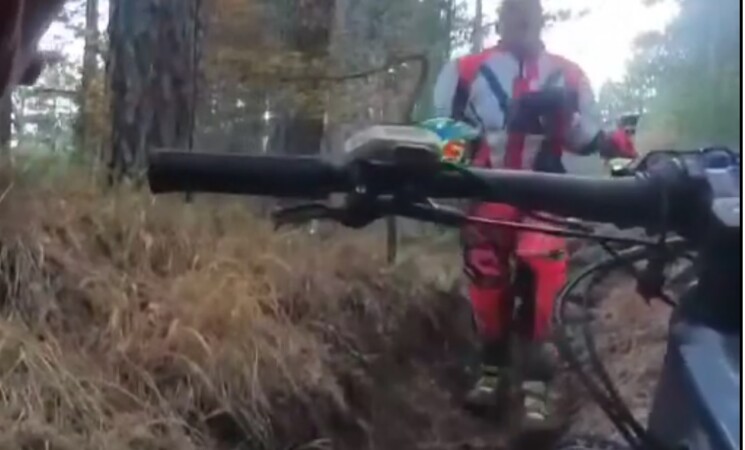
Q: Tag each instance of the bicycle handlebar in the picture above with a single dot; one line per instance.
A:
(626, 202)
(171, 171)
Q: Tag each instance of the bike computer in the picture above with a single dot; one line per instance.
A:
(389, 143)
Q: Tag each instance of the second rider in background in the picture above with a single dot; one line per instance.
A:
(479, 89)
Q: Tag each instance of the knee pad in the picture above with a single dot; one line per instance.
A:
(483, 267)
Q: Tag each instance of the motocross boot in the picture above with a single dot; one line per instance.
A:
(540, 363)
(536, 396)
(490, 391)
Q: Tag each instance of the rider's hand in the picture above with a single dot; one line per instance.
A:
(618, 144)
(542, 112)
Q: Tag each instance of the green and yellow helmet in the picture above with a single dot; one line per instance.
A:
(456, 139)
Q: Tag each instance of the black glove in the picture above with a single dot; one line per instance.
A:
(538, 112)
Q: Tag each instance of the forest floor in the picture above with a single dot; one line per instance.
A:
(128, 322)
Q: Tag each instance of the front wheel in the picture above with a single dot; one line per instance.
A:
(589, 443)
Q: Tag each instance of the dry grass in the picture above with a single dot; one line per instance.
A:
(129, 322)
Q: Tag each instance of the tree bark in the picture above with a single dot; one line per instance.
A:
(6, 120)
(90, 69)
(152, 75)
(300, 127)
(449, 19)
(477, 36)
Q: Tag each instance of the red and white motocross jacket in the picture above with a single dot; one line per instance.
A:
(479, 88)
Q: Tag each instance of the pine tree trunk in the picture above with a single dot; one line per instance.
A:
(449, 19)
(6, 115)
(299, 128)
(152, 78)
(90, 69)
(477, 37)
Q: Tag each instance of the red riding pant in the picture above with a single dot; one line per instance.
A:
(491, 256)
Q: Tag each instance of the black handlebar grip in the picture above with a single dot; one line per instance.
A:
(277, 176)
(626, 202)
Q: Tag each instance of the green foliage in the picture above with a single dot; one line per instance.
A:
(45, 114)
(257, 77)
(686, 80)
(41, 166)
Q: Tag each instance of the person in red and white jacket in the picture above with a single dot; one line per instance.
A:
(481, 89)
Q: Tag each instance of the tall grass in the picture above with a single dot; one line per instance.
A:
(129, 322)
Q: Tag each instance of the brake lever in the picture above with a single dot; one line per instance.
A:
(650, 281)
(301, 214)
(358, 211)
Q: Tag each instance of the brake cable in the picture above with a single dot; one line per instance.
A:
(610, 402)
(374, 208)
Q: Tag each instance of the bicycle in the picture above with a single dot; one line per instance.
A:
(690, 201)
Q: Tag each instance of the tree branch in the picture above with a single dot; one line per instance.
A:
(53, 91)
(392, 62)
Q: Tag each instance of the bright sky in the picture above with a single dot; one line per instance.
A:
(601, 42)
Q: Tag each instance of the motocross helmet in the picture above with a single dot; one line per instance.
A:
(457, 139)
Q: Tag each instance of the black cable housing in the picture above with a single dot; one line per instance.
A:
(603, 391)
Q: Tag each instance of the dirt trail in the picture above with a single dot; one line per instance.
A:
(413, 397)
(631, 339)
(419, 407)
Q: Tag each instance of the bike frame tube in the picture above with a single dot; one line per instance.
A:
(697, 401)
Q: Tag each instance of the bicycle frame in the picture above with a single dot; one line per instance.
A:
(697, 402)
(699, 387)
